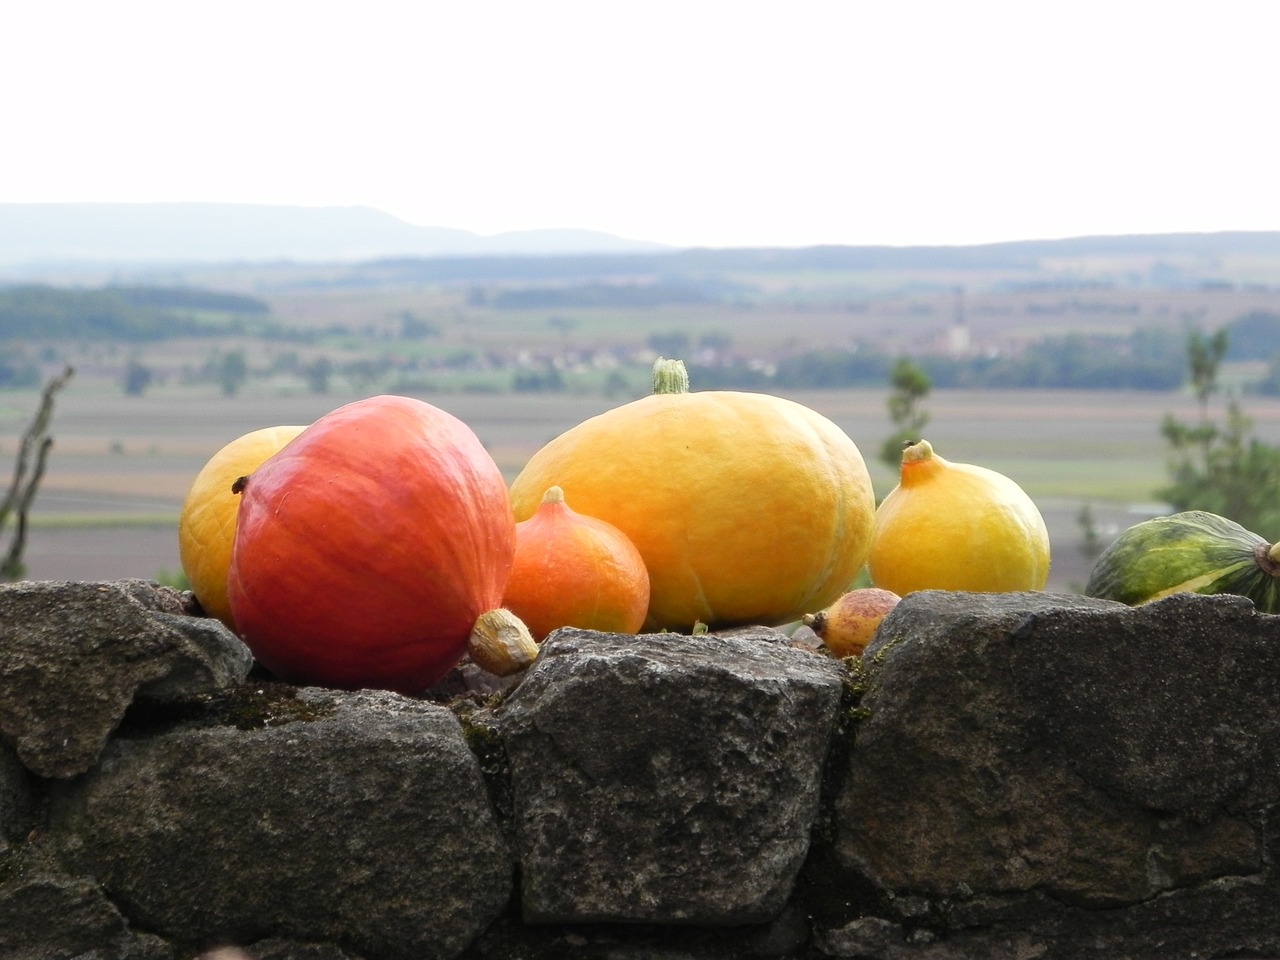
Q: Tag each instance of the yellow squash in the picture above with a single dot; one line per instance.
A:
(956, 526)
(747, 508)
(207, 523)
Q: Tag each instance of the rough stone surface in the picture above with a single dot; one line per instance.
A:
(357, 819)
(274, 948)
(74, 655)
(46, 914)
(1002, 777)
(648, 770)
(1033, 763)
(17, 803)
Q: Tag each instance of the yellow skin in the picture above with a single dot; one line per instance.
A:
(956, 526)
(207, 524)
(747, 508)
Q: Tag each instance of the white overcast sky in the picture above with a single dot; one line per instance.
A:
(696, 122)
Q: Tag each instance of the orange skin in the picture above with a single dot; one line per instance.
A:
(207, 524)
(747, 508)
(575, 571)
(956, 526)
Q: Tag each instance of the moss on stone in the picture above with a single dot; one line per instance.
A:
(481, 732)
(245, 706)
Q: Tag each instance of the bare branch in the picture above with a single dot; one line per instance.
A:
(22, 490)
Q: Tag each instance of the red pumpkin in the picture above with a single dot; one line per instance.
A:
(367, 549)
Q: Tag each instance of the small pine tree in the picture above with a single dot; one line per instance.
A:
(911, 385)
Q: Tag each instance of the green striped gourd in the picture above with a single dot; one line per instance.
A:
(1190, 552)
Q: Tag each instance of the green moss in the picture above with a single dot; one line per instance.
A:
(485, 740)
(256, 706)
(849, 715)
(246, 706)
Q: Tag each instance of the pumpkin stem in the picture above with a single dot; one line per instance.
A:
(501, 644)
(1268, 558)
(920, 450)
(670, 376)
(553, 495)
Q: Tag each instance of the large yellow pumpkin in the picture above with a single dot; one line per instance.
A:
(207, 523)
(747, 508)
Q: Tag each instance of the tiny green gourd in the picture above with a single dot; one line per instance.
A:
(1190, 552)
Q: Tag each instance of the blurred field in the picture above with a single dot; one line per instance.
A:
(121, 465)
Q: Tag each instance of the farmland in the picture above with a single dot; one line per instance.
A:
(121, 463)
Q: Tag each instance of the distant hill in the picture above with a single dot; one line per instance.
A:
(1187, 258)
(361, 246)
(130, 233)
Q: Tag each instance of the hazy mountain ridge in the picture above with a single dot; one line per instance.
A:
(41, 233)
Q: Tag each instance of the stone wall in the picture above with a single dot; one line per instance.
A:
(1000, 776)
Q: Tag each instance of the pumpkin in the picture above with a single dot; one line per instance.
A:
(957, 526)
(1190, 552)
(747, 508)
(571, 570)
(207, 522)
(849, 625)
(367, 549)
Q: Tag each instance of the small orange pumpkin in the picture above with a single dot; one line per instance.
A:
(572, 570)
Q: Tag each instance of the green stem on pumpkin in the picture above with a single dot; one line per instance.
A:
(670, 376)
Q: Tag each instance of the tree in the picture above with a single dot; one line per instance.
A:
(1219, 466)
(317, 374)
(362, 373)
(233, 371)
(1256, 334)
(1269, 385)
(1091, 545)
(548, 380)
(566, 325)
(413, 327)
(36, 442)
(911, 384)
(672, 343)
(137, 377)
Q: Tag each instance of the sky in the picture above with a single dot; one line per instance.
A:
(722, 123)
